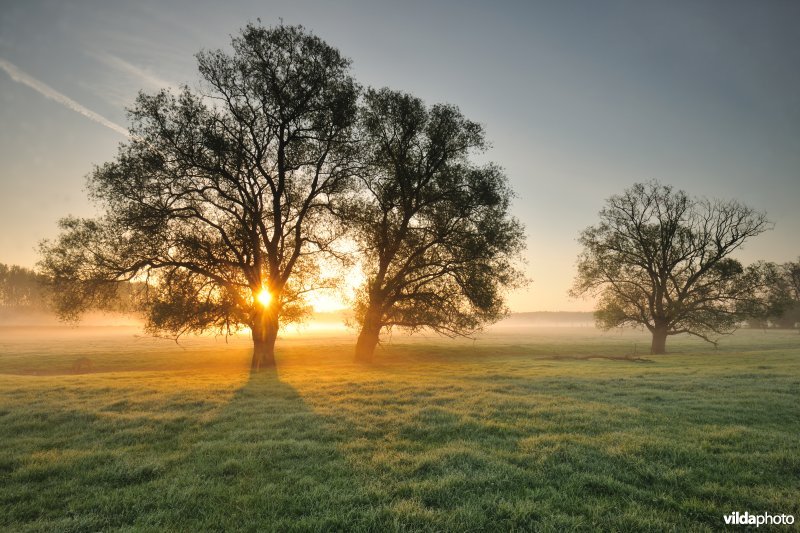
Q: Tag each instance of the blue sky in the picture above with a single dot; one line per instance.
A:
(579, 99)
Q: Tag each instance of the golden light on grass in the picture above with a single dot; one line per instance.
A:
(264, 297)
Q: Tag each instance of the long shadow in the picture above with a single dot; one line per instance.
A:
(266, 462)
(261, 462)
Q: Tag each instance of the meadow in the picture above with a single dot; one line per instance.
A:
(538, 429)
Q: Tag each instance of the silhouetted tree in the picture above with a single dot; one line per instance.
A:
(438, 243)
(660, 259)
(220, 200)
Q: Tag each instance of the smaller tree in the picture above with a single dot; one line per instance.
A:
(661, 259)
(439, 245)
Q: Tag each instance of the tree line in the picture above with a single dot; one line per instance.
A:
(24, 290)
(225, 199)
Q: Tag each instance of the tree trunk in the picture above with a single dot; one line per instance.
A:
(368, 337)
(659, 345)
(265, 332)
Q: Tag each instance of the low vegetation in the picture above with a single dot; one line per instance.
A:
(551, 430)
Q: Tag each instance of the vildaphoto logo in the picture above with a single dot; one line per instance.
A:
(764, 519)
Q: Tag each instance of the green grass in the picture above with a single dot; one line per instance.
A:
(535, 431)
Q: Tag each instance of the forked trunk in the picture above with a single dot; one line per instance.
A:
(265, 332)
(368, 337)
(659, 344)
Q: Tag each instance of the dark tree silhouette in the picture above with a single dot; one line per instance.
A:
(220, 200)
(438, 243)
(660, 259)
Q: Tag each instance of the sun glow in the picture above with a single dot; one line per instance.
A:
(264, 297)
(325, 301)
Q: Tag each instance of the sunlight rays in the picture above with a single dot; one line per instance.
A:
(264, 298)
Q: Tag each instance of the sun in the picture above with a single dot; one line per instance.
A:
(264, 297)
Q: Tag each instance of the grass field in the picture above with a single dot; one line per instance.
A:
(546, 430)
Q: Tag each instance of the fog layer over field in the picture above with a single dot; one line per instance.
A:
(40, 344)
(537, 428)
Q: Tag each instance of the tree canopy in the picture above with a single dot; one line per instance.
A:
(438, 243)
(220, 199)
(662, 259)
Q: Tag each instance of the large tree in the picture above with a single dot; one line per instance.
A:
(661, 259)
(439, 246)
(220, 200)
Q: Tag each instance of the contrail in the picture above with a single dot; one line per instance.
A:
(21, 77)
(131, 70)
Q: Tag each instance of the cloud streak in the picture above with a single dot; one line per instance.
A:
(131, 70)
(45, 90)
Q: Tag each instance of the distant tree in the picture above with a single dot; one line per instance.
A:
(220, 200)
(792, 274)
(439, 245)
(661, 260)
(785, 312)
(791, 315)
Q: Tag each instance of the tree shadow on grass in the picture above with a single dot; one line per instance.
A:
(263, 461)
(266, 462)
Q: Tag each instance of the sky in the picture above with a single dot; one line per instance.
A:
(579, 100)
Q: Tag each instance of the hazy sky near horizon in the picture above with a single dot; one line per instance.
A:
(579, 99)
